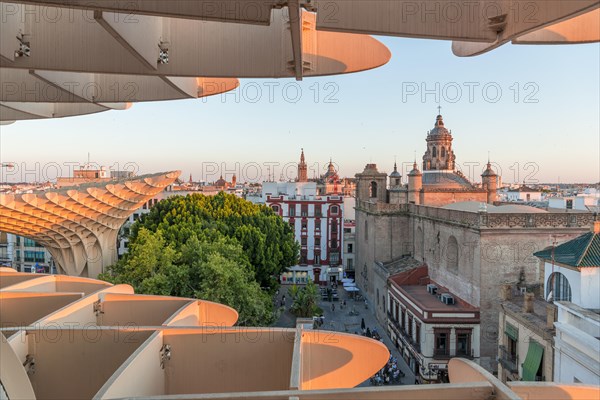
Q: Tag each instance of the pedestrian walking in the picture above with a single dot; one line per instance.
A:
(332, 307)
(362, 324)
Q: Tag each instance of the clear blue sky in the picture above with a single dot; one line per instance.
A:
(547, 115)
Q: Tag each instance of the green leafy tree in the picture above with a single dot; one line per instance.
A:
(305, 301)
(216, 271)
(265, 237)
(219, 248)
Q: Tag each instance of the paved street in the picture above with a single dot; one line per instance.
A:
(341, 321)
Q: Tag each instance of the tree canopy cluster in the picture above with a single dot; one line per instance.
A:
(218, 248)
(305, 300)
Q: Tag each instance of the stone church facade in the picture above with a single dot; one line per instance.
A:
(441, 219)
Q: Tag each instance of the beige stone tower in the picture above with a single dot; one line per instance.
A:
(371, 184)
(302, 169)
(489, 179)
(415, 184)
(439, 154)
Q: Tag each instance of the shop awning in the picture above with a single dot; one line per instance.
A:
(532, 361)
(512, 332)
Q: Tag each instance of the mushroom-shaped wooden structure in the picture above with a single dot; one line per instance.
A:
(79, 225)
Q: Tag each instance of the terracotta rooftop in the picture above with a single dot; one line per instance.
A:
(429, 302)
(413, 283)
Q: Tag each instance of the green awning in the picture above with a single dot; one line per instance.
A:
(512, 332)
(532, 361)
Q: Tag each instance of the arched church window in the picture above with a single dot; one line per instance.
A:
(373, 189)
(434, 151)
(558, 288)
(443, 152)
(452, 254)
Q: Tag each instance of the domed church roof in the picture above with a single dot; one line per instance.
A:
(439, 129)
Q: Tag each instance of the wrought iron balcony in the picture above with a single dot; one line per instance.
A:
(406, 338)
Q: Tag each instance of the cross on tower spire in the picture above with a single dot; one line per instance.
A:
(439, 110)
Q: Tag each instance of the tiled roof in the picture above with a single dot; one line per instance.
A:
(446, 179)
(583, 251)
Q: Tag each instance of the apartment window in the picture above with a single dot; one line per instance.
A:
(463, 342)
(30, 243)
(350, 248)
(569, 204)
(317, 242)
(34, 256)
(334, 226)
(136, 216)
(318, 210)
(303, 241)
(275, 208)
(441, 342)
(410, 325)
(334, 244)
(304, 210)
(347, 230)
(29, 256)
(403, 318)
(317, 259)
(334, 258)
(292, 210)
(303, 258)
(335, 210)
(418, 332)
(304, 224)
(350, 264)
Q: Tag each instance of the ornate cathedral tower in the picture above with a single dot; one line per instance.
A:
(439, 154)
(302, 169)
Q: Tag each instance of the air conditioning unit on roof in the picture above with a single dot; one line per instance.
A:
(431, 288)
(447, 299)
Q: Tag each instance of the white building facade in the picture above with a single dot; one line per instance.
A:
(524, 193)
(25, 255)
(427, 328)
(317, 222)
(572, 281)
(577, 345)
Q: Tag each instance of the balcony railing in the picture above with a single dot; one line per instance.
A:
(405, 336)
(507, 360)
